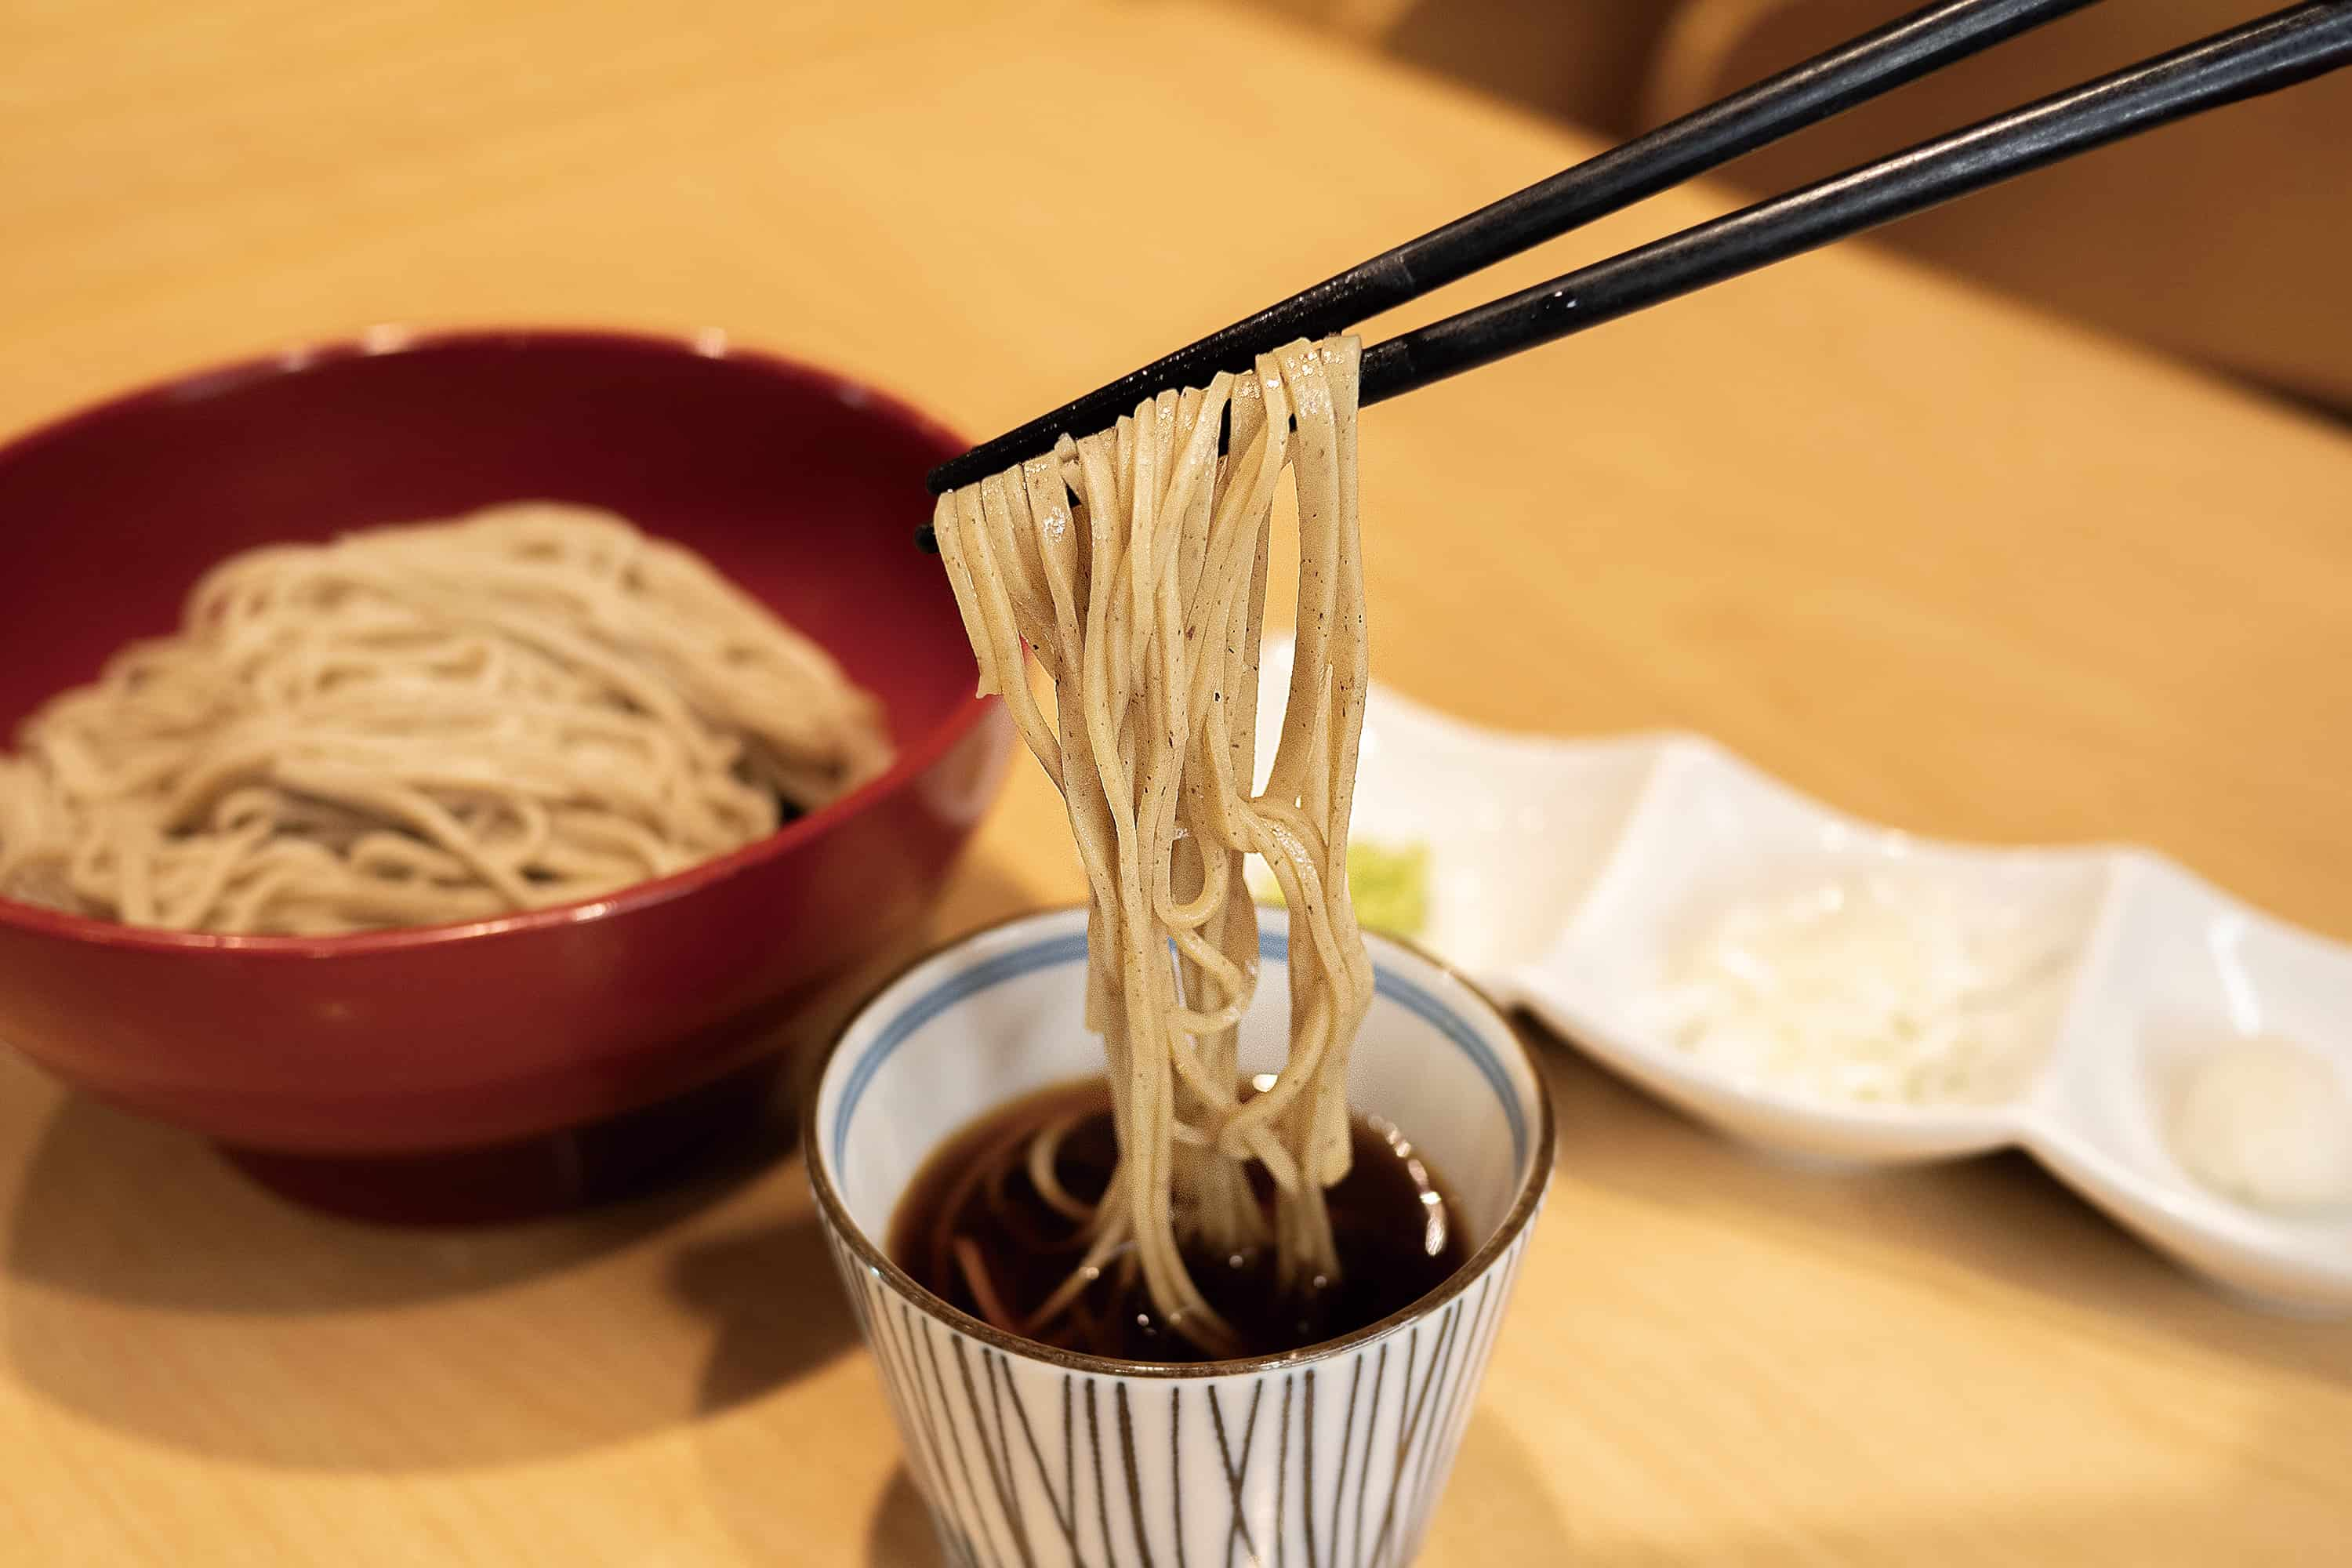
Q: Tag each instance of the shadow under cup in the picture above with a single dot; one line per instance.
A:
(1036, 1458)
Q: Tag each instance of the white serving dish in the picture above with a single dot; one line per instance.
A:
(1565, 872)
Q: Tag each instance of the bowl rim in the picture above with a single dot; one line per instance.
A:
(1526, 1201)
(914, 757)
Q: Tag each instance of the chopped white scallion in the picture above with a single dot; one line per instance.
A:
(1881, 989)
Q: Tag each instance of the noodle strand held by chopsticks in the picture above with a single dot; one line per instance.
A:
(1144, 601)
(436, 722)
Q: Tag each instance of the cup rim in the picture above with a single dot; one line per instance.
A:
(1525, 1201)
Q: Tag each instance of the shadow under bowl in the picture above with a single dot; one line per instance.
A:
(354, 1069)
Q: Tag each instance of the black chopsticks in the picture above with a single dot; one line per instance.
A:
(1901, 51)
(2260, 57)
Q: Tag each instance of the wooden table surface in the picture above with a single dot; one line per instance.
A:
(1940, 562)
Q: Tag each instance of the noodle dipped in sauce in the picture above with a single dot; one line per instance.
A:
(976, 1229)
(1132, 564)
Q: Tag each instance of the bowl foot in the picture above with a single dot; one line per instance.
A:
(738, 1118)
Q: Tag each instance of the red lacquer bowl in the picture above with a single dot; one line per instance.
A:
(803, 487)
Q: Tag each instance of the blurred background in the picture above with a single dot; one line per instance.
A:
(2226, 241)
(130, 173)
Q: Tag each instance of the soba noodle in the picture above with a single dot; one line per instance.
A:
(431, 722)
(1143, 599)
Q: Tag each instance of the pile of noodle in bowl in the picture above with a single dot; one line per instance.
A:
(433, 722)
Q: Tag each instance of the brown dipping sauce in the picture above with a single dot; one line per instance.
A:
(1399, 1233)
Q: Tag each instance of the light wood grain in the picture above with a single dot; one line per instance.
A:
(1940, 560)
(2222, 239)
